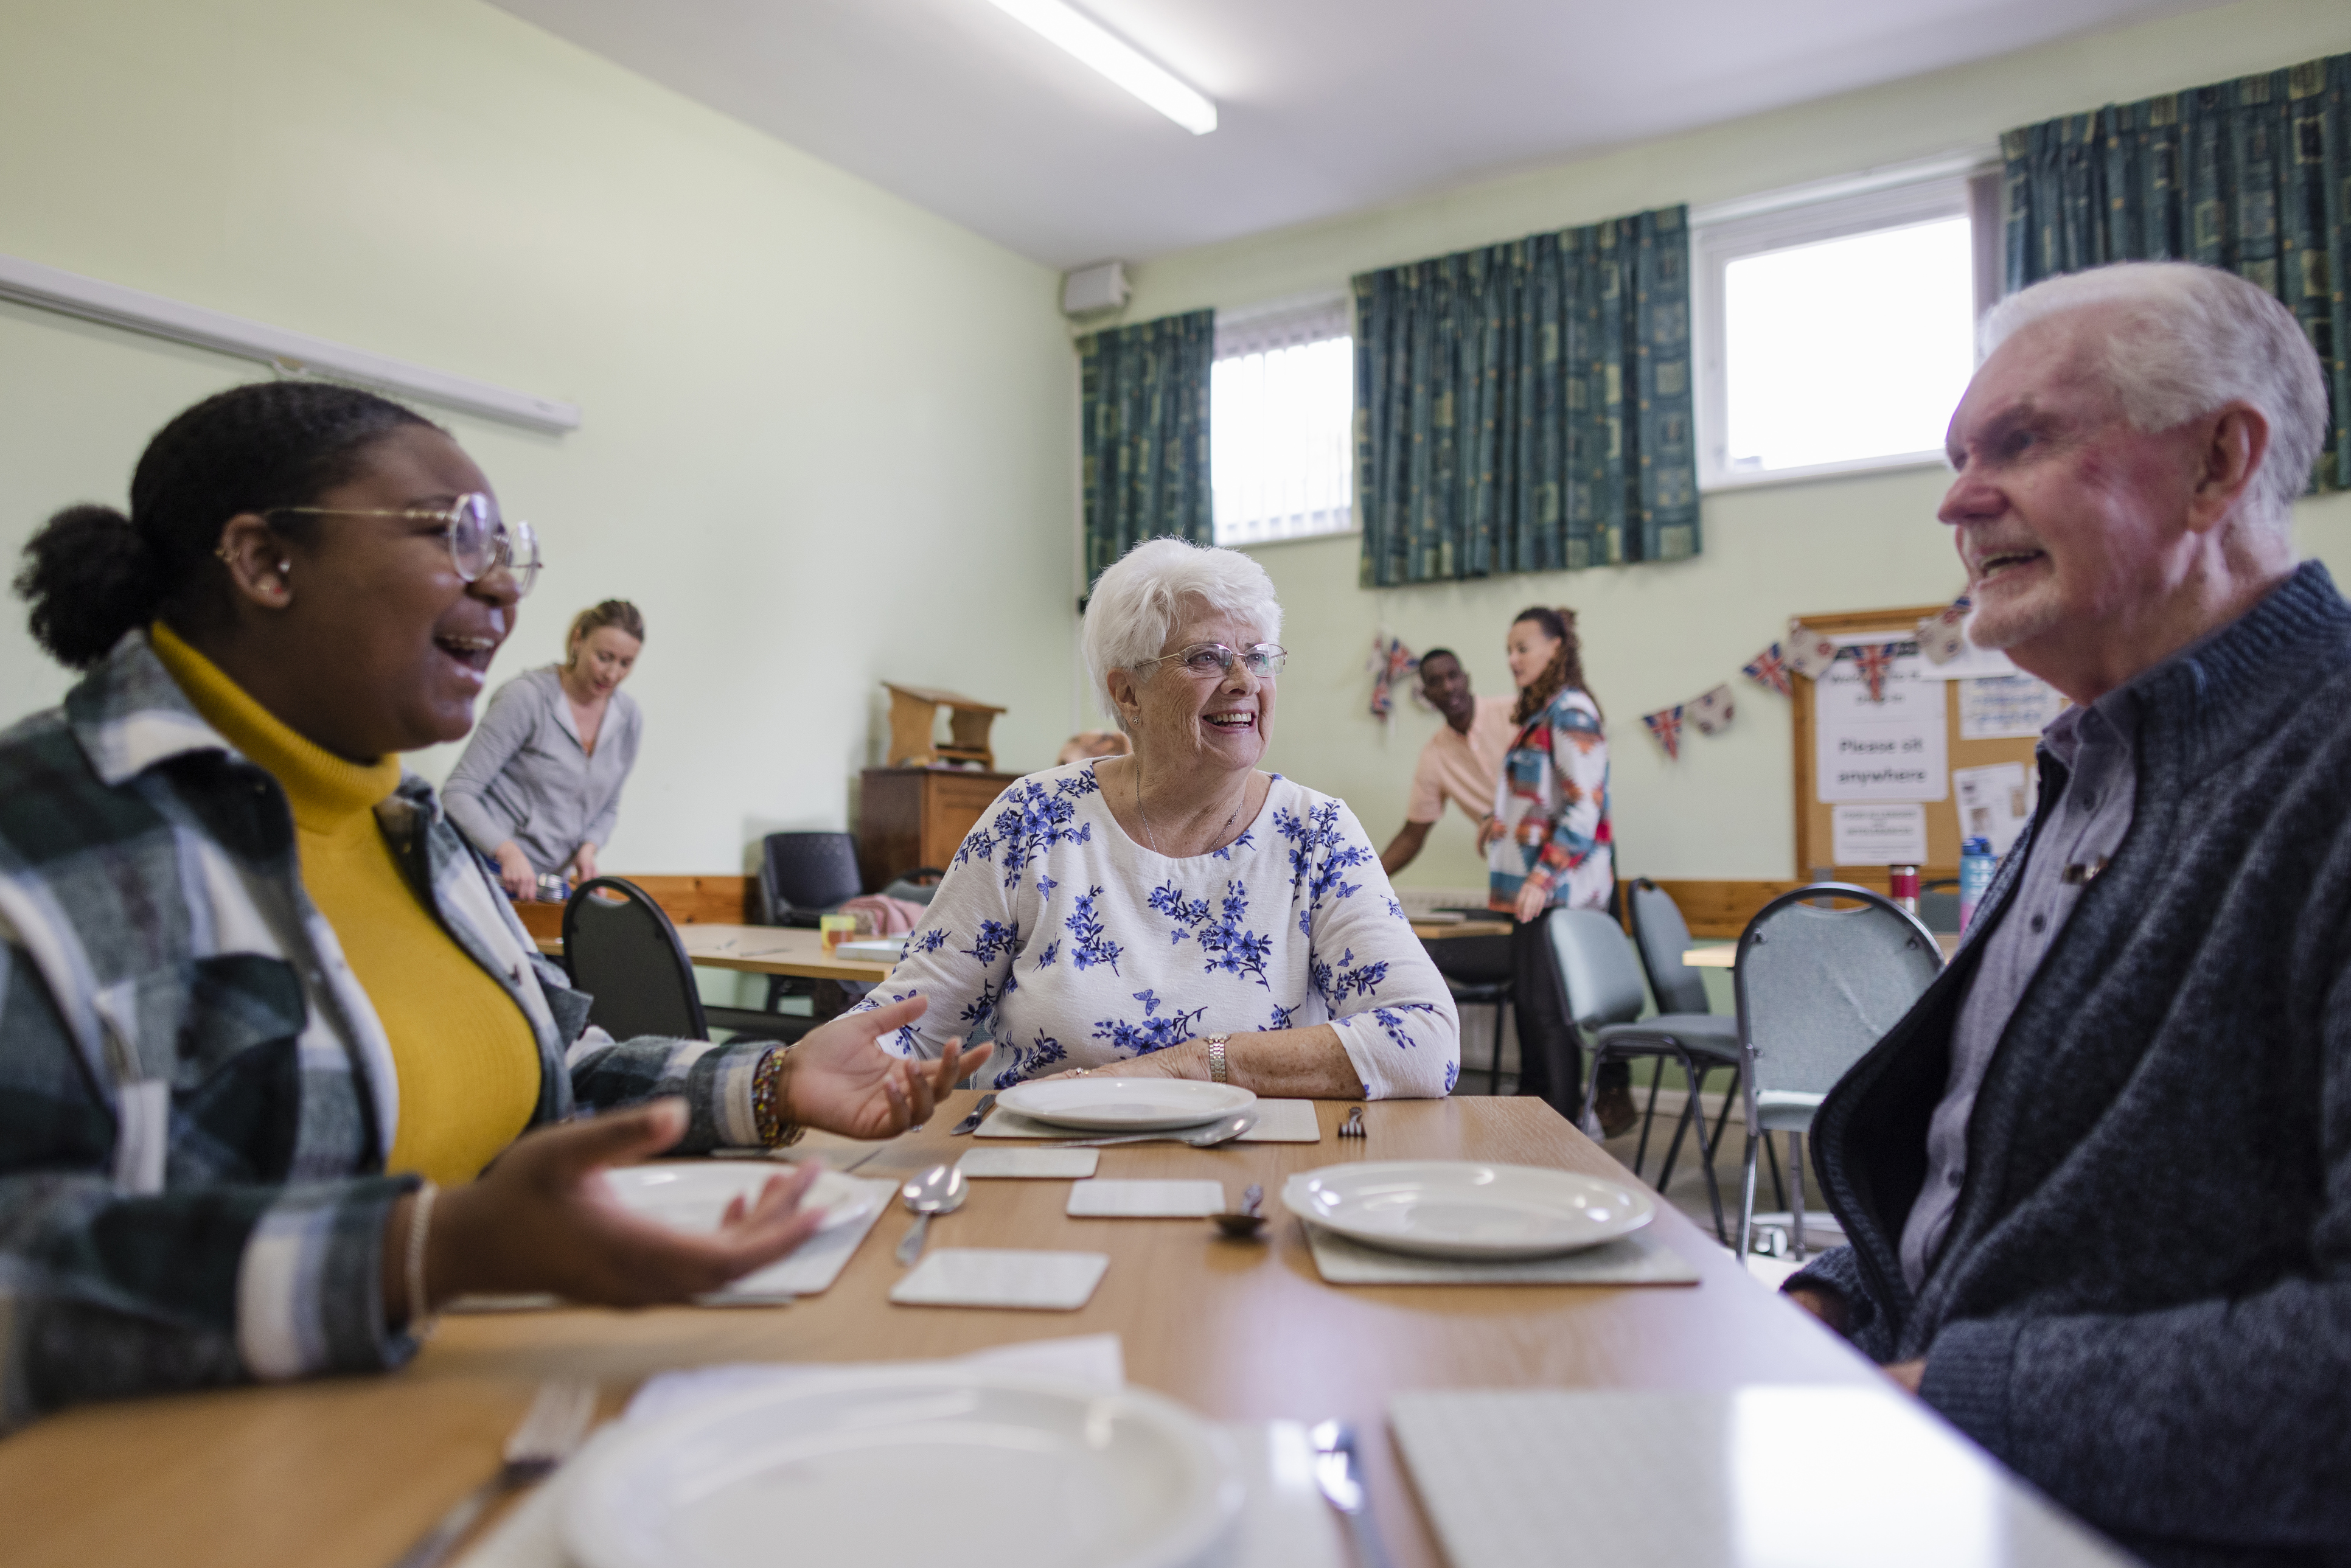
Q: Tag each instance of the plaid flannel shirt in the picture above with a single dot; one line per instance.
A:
(195, 1093)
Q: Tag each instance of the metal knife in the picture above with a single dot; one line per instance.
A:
(978, 1113)
(1339, 1471)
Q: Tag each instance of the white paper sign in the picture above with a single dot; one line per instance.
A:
(1995, 802)
(1892, 750)
(1879, 835)
(2007, 707)
(1971, 663)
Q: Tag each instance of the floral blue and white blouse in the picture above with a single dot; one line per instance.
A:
(1071, 945)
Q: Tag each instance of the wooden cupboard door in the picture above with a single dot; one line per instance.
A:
(952, 807)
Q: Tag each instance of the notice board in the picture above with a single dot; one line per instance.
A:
(1892, 762)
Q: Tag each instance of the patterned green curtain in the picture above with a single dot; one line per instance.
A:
(1526, 407)
(1145, 434)
(2254, 175)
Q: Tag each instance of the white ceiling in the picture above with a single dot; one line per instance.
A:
(1327, 106)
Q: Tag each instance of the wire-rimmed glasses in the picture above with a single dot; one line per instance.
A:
(1263, 660)
(480, 540)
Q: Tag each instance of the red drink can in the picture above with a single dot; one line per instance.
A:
(1904, 879)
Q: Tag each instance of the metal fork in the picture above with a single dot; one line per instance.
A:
(549, 1433)
(1352, 1127)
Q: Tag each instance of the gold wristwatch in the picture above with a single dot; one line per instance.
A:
(1216, 1058)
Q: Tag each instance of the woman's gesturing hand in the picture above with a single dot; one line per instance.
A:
(542, 1218)
(843, 1082)
(1489, 828)
(1533, 898)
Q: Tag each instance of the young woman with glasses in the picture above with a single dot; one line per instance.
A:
(263, 1019)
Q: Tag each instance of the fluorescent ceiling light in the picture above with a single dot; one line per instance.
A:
(1116, 59)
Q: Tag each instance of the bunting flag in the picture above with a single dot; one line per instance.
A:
(1391, 661)
(1877, 660)
(1943, 635)
(1810, 654)
(1768, 668)
(1712, 713)
(1667, 726)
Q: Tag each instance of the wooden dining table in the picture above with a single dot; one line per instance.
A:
(763, 951)
(345, 1472)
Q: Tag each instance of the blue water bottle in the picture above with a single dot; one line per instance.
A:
(1976, 862)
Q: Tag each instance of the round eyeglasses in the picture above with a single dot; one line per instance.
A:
(1263, 660)
(480, 540)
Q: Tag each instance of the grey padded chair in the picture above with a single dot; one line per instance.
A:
(624, 953)
(1601, 979)
(1817, 986)
(1685, 1029)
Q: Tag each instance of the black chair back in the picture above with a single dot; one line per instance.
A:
(1664, 936)
(803, 875)
(1472, 961)
(624, 952)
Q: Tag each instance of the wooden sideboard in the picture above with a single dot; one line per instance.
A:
(910, 817)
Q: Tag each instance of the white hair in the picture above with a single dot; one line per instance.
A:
(1137, 600)
(2188, 339)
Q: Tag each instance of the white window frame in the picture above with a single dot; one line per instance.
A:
(1280, 323)
(1961, 186)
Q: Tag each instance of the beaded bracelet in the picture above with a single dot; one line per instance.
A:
(767, 1081)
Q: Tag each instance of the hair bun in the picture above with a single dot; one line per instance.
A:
(89, 577)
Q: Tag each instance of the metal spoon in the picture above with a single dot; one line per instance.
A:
(938, 1190)
(1244, 1221)
(1214, 1133)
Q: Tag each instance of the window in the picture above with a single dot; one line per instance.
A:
(1837, 332)
(1281, 423)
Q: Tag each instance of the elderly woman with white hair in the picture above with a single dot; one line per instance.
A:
(1178, 913)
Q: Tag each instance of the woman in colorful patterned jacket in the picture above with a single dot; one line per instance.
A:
(1548, 846)
(1178, 913)
(259, 1006)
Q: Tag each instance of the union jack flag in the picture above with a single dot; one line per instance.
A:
(1391, 661)
(1877, 660)
(1666, 724)
(1770, 668)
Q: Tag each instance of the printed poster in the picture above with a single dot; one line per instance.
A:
(2007, 707)
(1878, 835)
(1995, 802)
(1889, 750)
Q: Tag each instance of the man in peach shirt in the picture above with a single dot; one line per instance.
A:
(1460, 762)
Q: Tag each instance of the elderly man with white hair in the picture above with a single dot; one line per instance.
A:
(2098, 1182)
(1178, 913)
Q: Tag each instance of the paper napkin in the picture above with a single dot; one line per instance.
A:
(1002, 1277)
(1047, 1164)
(1636, 1259)
(1144, 1199)
(1278, 1121)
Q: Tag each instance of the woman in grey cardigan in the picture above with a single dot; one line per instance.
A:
(539, 788)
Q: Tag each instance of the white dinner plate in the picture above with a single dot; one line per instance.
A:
(689, 1195)
(1465, 1209)
(1125, 1104)
(909, 1467)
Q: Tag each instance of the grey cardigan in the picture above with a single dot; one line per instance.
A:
(525, 777)
(2143, 1303)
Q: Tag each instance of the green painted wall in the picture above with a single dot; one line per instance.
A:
(830, 438)
(1660, 634)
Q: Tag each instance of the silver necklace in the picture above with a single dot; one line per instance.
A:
(1146, 816)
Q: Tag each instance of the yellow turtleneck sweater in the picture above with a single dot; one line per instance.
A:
(468, 1067)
